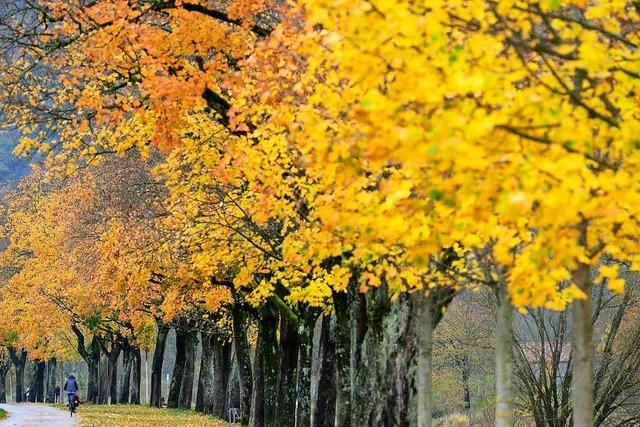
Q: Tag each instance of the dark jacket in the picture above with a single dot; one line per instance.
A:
(71, 386)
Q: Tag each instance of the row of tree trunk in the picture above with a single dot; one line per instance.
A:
(308, 369)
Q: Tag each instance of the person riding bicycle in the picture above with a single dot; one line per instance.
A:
(71, 387)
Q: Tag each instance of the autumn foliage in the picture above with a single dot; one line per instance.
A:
(202, 159)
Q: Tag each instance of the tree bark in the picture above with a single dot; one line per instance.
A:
(103, 380)
(156, 366)
(466, 393)
(41, 368)
(188, 374)
(112, 354)
(243, 361)
(204, 399)
(323, 374)
(582, 363)
(125, 374)
(93, 365)
(303, 371)
(221, 369)
(287, 367)
(342, 360)
(265, 374)
(424, 344)
(136, 374)
(19, 360)
(4, 368)
(504, 358)
(173, 399)
(51, 381)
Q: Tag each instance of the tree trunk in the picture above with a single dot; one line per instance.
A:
(4, 368)
(303, 371)
(19, 360)
(156, 366)
(188, 373)
(582, 363)
(125, 374)
(504, 358)
(323, 374)
(286, 378)
(204, 399)
(178, 369)
(51, 380)
(424, 347)
(466, 393)
(265, 374)
(136, 374)
(93, 365)
(243, 361)
(221, 369)
(103, 384)
(41, 368)
(342, 360)
(112, 354)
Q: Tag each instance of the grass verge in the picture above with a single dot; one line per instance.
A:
(142, 416)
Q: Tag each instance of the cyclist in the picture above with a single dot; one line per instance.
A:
(71, 387)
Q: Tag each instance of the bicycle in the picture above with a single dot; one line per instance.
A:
(72, 403)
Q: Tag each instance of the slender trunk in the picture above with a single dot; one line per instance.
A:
(156, 366)
(424, 350)
(188, 373)
(51, 380)
(323, 374)
(303, 372)
(125, 374)
(342, 360)
(582, 363)
(204, 399)
(93, 365)
(287, 366)
(265, 374)
(504, 358)
(136, 374)
(112, 374)
(103, 384)
(465, 384)
(4, 368)
(41, 368)
(19, 359)
(178, 369)
(221, 369)
(243, 361)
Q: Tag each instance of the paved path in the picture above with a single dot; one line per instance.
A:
(30, 414)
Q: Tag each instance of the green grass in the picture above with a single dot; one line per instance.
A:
(3, 414)
(142, 416)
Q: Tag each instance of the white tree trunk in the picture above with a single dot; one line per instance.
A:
(504, 359)
(425, 349)
(582, 364)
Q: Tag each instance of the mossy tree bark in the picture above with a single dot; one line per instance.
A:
(156, 365)
(243, 360)
(173, 400)
(188, 374)
(136, 375)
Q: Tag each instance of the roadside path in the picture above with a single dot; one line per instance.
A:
(32, 415)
